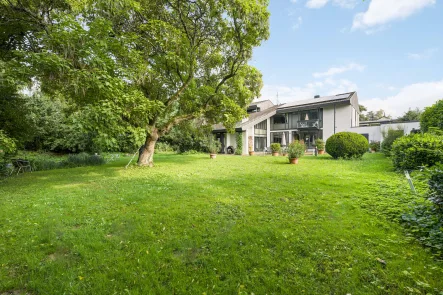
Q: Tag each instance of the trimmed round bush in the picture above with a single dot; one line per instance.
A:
(416, 150)
(347, 145)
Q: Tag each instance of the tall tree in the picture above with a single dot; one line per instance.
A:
(143, 65)
(411, 115)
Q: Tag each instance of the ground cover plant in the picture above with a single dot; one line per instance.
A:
(233, 225)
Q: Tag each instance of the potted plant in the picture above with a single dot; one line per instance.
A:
(296, 149)
(320, 144)
(213, 147)
(250, 146)
(275, 148)
(375, 146)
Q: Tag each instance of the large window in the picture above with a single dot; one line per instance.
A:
(279, 119)
(277, 137)
(260, 128)
(309, 115)
(279, 122)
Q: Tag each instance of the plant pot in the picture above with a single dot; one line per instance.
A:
(321, 152)
(274, 154)
(212, 156)
(293, 161)
(251, 153)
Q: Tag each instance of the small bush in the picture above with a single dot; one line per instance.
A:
(389, 137)
(346, 145)
(191, 152)
(416, 150)
(163, 147)
(296, 149)
(320, 144)
(275, 147)
(375, 146)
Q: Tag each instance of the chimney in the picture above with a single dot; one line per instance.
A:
(317, 96)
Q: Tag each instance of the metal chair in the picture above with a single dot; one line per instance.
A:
(22, 165)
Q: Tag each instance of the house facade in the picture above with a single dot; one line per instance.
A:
(319, 117)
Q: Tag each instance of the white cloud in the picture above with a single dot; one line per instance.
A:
(316, 3)
(423, 55)
(349, 4)
(419, 95)
(289, 94)
(338, 70)
(293, 1)
(381, 12)
(298, 23)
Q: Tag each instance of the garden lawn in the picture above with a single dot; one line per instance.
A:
(233, 225)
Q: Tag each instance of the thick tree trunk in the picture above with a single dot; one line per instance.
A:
(146, 154)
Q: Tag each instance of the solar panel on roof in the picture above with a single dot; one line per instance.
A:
(342, 96)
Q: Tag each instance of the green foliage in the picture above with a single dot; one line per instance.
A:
(320, 144)
(275, 147)
(374, 145)
(132, 66)
(44, 162)
(191, 135)
(416, 150)
(163, 147)
(411, 115)
(389, 136)
(239, 140)
(296, 149)
(346, 145)
(436, 188)
(432, 117)
(7, 145)
(213, 144)
(371, 115)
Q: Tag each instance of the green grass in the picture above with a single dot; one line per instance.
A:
(234, 225)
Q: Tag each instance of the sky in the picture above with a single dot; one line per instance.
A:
(389, 51)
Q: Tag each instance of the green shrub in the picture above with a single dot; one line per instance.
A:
(43, 162)
(416, 150)
(320, 144)
(275, 147)
(239, 138)
(436, 187)
(346, 145)
(213, 145)
(432, 117)
(296, 149)
(389, 136)
(7, 145)
(375, 145)
(163, 147)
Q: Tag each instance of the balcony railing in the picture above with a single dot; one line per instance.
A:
(309, 124)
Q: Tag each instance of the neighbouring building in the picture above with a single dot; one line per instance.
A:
(319, 117)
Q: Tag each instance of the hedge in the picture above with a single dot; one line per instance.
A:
(416, 150)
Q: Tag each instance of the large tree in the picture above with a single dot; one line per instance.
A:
(140, 66)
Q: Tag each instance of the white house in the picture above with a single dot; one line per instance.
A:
(319, 117)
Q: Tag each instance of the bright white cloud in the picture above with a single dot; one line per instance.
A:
(381, 12)
(288, 94)
(298, 23)
(423, 55)
(293, 1)
(349, 4)
(419, 95)
(339, 70)
(316, 3)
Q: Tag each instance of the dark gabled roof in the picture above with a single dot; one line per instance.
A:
(344, 98)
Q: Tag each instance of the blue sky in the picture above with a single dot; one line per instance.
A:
(389, 51)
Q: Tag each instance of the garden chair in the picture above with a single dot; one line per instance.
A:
(22, 165)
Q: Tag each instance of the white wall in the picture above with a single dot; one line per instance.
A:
(342, 120)
(375, 132)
